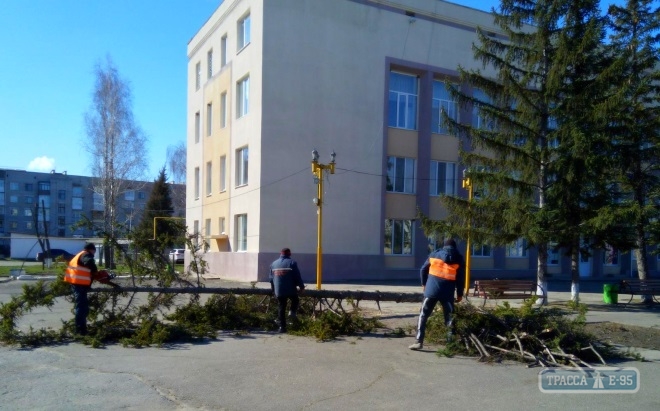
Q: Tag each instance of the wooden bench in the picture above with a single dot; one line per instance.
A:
(636, 286)
(504, 289)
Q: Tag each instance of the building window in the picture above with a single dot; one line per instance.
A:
(76, 191)
(13, 211)
(196, 183)
(209, 179)
(398, 237)
(403, 101)
(241, 167)
(223, 51)
(61, 221)
(223, 174)
(27, 212)
(478, 120)
(28, 225)
(207, 227)
(13, 186)
(481, 251)
(243, 32)
(209, 64)
(77, 216)
(400, 175)
(242, 97)
(553, 254)
(209, 118)
(443, 178)
(76, 203)
(196, 232)
(61, 209)
(197, 126)
(141, 195)
(28, 200)
(198, 75)
(29, 187)
(221, 225)
(13, 225)
(13, 199)
(241, 232)
(223, 110)
(61, 194)
(442, 102)
(610, 255)
(129, 195)
(517, 249)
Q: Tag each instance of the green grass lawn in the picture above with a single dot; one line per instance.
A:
(5, 270)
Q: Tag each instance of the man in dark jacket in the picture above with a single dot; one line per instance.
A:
(442, 273)
(284, 278)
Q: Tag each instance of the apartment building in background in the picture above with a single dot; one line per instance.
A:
(64, 200)
(270, 81)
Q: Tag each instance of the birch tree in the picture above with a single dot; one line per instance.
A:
(115, 142)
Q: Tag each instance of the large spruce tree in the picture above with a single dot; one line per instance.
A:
(512, 152)
(632, 113)
(581, 200)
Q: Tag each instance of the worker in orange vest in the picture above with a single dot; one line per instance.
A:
(80, 273)
(441, 275)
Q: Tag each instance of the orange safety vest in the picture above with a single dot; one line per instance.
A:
(443, 270)
(77, 274)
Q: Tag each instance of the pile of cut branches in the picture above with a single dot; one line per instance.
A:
(540, 336)
(168, 318)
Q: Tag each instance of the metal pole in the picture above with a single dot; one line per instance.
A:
(319, 248)
(468, 252)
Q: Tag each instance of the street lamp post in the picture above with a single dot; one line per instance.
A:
(467, 184)
(317, 170)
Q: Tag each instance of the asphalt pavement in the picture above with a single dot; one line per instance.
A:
(269, 371)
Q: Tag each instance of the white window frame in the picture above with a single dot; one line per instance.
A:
(442, 102)
(223, 174)
(221, 225)
(398, 237)
(198, 75)
(479, 121)
(209, 178)
(517, 249)
(396, 183)
(611, 256)
(481, 251)
(243, 32)
(241, 232)
(242, 162)
(223, 110)
(209, 119)
(242, 97)
(448, 184)
(198, 125)
(223, 51)
(209, 64)
(207, 227)
(196, 188)
(406, 101)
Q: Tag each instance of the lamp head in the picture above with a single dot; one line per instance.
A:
(333, 155)
(315, 156)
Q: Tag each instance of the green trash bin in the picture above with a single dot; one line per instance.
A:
(610, 293)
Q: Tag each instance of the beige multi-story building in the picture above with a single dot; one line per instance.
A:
(269, 81)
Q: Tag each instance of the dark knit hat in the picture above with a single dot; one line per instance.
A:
(450, 243)
(89, 247)
(286, 252)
